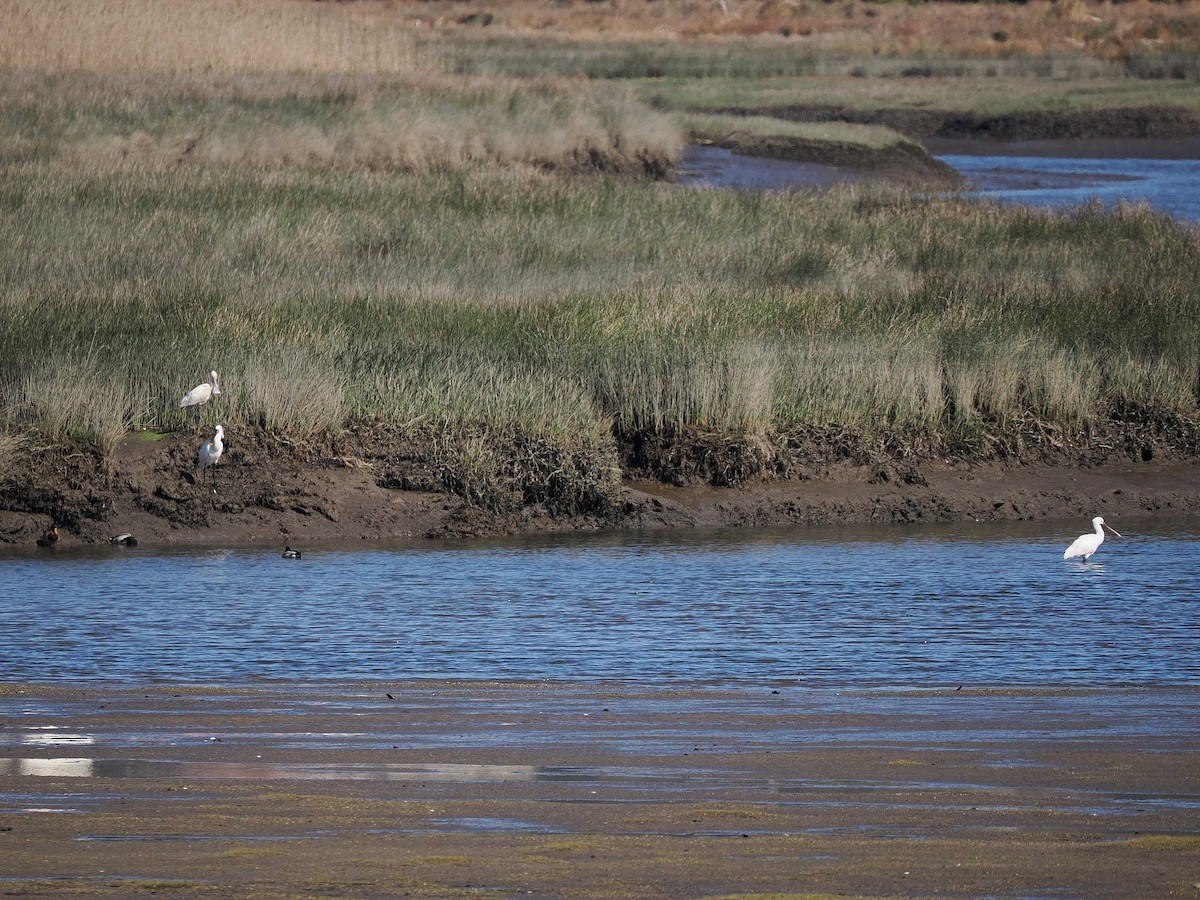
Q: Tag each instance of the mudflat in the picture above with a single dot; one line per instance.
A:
(598, 790)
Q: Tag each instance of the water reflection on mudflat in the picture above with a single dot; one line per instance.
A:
(970, 604)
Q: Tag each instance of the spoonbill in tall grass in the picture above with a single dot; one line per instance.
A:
(201, 393)
(1087, 544)
(210, 454)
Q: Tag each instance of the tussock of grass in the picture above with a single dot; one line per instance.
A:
(10, 444)
(298, 392)
(505, 469)
(414, 123)
(79, 400)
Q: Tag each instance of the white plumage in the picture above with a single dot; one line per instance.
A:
(1087, 544)
(201, 393)
(210, 453)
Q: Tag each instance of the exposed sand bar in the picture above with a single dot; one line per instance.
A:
(568, 790)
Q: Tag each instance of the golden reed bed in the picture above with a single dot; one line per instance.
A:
(401, 37)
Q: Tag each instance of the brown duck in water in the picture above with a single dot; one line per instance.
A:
(49, 539)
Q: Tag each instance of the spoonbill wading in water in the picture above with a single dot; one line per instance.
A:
(201, 393)
(210, 453)
(1087, 544)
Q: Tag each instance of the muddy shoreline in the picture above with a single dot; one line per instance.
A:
(369, 485)
(1159, 132)
(582, 790)
(1153, 122)
(907, 165)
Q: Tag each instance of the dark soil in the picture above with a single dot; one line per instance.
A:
(373, 481)
(1117, 122)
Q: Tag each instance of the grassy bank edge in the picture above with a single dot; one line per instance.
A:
(870, 149)
(502, 480)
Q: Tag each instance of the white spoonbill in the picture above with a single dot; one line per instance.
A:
(210, 453)
(201, 393)
(1087, 544)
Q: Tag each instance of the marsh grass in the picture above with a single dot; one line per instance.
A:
(768, 58)
(973, 90)
(290, 391)
(413, 123)
(218, 35)
(504, 469)
(781, 39)
(715, 127)
(479, 304)
(10, 445)
(80, 400)
(521, 316)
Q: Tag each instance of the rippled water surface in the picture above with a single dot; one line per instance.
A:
(1044, 174)
(1168, 185)
(975, 604)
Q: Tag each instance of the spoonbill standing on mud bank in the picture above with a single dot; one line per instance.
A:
(1087, 544)
(201, 393)
(210, 453)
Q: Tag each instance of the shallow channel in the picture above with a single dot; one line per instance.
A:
(977, 604)
(1164, 175)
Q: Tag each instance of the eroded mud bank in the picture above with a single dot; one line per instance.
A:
(372, 482)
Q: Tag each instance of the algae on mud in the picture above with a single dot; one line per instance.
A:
(606, 790)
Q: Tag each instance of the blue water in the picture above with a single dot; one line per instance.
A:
(976, 604)
(1167, 185)
(1047, 182)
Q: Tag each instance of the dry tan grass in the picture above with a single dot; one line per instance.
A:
(716, 126)
(213, 35)
(402, 36)
(408, 123)
(9, 445)
(1109, 30)
(81, 400)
